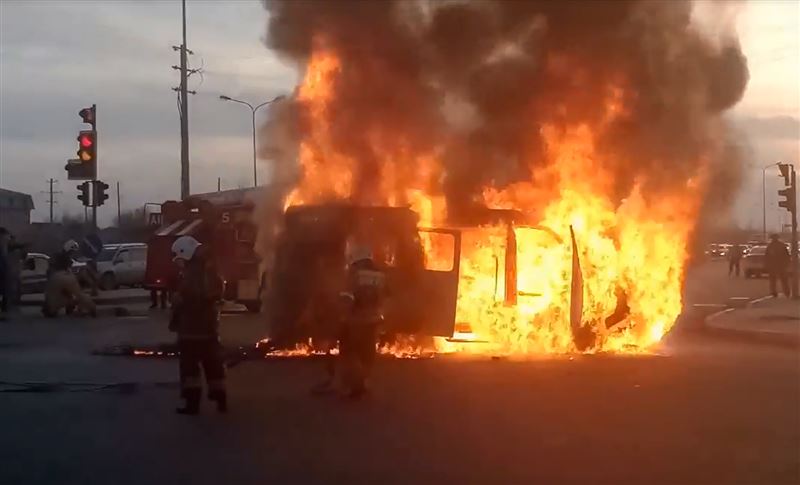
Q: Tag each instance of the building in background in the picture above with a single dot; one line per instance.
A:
(15, 211)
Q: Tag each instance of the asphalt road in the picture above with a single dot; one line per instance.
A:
(699, 411)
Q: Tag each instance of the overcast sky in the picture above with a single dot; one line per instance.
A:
(59, 56)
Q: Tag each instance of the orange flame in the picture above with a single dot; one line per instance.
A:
(633, 253)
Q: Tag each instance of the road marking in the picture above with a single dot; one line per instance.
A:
(759, 300)
(719, 313)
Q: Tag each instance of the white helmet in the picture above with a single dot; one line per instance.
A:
(71, 246)
(184, 248)
(359, 253)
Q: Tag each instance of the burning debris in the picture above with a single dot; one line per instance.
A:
(602, 118)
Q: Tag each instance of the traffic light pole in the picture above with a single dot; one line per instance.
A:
(94, 179)
(795, 266)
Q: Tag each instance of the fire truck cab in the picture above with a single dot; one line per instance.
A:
(221, 220)
(310, 262)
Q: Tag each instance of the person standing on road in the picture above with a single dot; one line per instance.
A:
(4, 238)
(195, 318)
(363, 314)
(15, 256)
(735, 255)
(776, 261)
(62, 289)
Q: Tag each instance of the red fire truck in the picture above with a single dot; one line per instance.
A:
(221, 220)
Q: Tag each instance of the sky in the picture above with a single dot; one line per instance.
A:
(62, 55)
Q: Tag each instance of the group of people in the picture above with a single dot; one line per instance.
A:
(777, 262)
(63, 290)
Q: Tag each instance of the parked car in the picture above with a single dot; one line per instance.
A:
(753, 263)
(122, 265)
(34, 273)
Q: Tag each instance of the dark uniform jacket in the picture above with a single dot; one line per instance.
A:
(776, 258)
(61, 261)
(196, 314)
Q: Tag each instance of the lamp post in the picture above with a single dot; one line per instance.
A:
(253, 110)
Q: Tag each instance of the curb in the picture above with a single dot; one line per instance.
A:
(772, 338)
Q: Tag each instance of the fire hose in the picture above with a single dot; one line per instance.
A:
(67, 386)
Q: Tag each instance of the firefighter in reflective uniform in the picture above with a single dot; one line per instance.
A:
(363, 314)
(62, 289)
(195, 318)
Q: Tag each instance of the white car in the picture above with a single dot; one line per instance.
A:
(33, 276)
(122, 265)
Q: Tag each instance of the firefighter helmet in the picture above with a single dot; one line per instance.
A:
(71, 246)
(184, 248)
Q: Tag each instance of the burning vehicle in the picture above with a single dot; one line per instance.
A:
(566, 154)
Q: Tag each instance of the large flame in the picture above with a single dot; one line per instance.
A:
(632, 254)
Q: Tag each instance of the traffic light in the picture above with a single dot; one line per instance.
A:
(789, 201)
(85, 166)
(785, 169)
(100, 195)
(85, 193)
(88, 115)
(87, 146)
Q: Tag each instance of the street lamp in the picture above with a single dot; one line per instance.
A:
(253, 110)
(764, 196)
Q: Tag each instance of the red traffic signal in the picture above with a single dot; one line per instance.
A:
(87, 144)
(86, 141)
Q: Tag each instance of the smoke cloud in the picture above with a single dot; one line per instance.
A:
(475, 82)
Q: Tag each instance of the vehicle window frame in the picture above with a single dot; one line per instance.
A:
(118, 256)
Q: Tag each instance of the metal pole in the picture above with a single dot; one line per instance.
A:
(793, 213)
(255, 171)
(119, 210)
(94, 205)
(764, 199)
(93, 182)
(253, 110)
(185, 191)
(219, 183)
(51, 201)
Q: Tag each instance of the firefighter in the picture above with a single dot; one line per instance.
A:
(62, 289)
(363, 314)
(195, 318)
(776, 261)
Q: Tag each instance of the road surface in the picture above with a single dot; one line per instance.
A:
(698, 411)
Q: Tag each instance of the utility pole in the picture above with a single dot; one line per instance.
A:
(183, 105)
(219, 183)
(52, 200)
(184, 113)
(119, 211)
